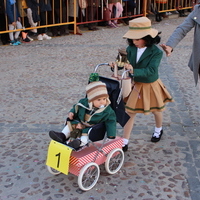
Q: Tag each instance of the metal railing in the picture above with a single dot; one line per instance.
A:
(62, 12)
(62, 17)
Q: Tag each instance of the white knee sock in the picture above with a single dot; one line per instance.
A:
(84, 140)
(125, 141)
(66, 131)
(157, 130)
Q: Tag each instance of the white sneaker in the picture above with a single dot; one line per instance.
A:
(46, 37)
(40, 37)
(168, 13)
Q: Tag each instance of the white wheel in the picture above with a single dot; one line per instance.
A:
(53, 171)
(114, 161)
(88, 176)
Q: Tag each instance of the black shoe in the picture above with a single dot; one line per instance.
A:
(4, 42)
(155, 139)
(26, 40)
(158, 17)
(57, 136)
(125, 148)
(74, 144)
(93, 28)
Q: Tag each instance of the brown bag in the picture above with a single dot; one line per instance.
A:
(124, 79)
(126, 84)
(106, 14)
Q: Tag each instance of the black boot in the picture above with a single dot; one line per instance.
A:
(182, 13)
(54, 31)
(75, 144)
(58, 136)
(158, 17)
(63, 30)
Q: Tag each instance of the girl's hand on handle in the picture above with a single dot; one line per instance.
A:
(168, 50)
(112, 64)
(128, 66)
(71, 115)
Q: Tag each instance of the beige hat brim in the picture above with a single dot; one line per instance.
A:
(138, 34)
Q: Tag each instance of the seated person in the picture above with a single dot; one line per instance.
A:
(87, 112)
(14, 22)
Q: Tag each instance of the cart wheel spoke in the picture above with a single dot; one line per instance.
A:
(88, 176)
(114, 161)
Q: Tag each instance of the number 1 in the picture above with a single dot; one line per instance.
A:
(58, 160)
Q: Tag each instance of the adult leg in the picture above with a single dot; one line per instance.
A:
(18, 26)
(11, 34)
(43, 31)
(92, 11)
(119, 10)
(110, 6)
(55, 29)
(4, 36)
(30, 20)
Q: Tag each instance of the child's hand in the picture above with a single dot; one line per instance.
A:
(112, 64)
(71, 115)
(128, 67)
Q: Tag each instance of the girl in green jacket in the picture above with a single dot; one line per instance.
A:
(148, 93)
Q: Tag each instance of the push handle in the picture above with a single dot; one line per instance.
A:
(95, 69)
(124, 73)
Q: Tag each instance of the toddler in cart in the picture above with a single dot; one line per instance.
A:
(93, 109)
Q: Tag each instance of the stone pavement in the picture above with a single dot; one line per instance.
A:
(40, 81)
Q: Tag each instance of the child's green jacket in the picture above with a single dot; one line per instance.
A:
(106, 115)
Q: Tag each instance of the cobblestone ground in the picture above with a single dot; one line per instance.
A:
(40, 81)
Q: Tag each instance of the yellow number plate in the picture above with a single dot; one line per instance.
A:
(58, 156)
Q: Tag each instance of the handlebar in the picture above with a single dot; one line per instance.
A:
(99, 66)
(123, 74)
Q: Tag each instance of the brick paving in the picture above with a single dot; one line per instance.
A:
(40, 81)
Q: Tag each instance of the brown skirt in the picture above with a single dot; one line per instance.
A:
(147, 97)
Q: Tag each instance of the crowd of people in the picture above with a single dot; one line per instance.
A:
(32, 14)
(17, 14)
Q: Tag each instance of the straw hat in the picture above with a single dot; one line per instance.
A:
(139, 28)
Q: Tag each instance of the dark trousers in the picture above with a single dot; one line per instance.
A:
(92, 14)
(43, 21)
(5, 36)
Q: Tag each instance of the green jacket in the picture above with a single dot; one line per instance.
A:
(106, 115)
(146, 69)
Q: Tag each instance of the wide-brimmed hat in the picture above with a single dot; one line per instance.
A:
(139, 28)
